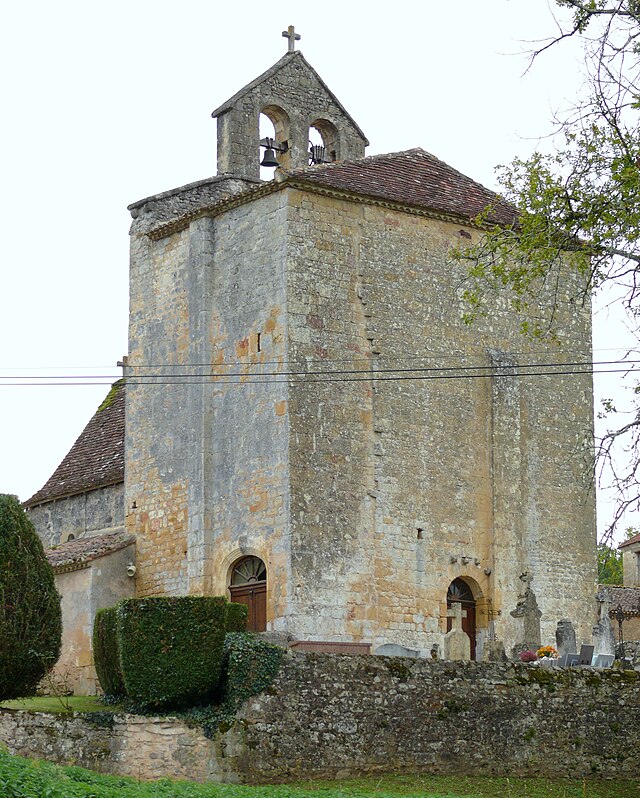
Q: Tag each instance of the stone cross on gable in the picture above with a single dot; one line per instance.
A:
(290, 33)
(457, 613)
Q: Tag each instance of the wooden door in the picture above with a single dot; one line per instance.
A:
(254, 597)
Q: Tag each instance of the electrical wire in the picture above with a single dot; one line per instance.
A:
(371, 376)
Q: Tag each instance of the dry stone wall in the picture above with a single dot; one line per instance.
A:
(342, 715)
(123, 745)
(339, 715)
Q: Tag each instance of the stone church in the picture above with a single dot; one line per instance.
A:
(309, 426)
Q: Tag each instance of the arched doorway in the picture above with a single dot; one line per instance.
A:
(248, 585)
(460, 593)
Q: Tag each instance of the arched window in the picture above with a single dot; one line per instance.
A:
(459, 592)
(248, 585)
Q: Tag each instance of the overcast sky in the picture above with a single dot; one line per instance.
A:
(106, 103)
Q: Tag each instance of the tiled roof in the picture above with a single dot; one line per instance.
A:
(626, 597)
(413, 177)
(76, 553)
(634, 539)
(96, 459)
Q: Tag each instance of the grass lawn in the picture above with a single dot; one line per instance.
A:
(71, 703)
(24, 778)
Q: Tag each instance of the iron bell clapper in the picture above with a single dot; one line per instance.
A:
(269, 158)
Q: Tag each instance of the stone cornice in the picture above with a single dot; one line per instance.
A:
(183, 222)
(72, 566)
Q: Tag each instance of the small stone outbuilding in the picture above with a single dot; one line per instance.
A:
(90, 573)
(79, 517)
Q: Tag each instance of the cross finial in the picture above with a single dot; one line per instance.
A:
(457, 614)
(290, 33)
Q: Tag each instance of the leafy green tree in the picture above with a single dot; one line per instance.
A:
(609, 565)
(30, 617)
(578, 220)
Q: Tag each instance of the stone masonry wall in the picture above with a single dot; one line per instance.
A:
(93, 513)
(206, 452)
(292, 95)
(83, 591)
(338, 716)
(399, 486)
(245, 422)
(122, 745)
(169, 346)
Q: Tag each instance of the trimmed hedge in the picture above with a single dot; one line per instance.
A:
(105, 652)
(164, 652)
(30, 616)
(171, 648)
(236, 617)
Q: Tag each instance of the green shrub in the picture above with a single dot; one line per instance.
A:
(105, 652)
(236, 617)
(249, 666)
(30, 617)
(171, 649)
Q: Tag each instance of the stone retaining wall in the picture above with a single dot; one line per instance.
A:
(337, 715)
(124, 745)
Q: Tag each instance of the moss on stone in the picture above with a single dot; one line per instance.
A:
(398, 669)
(110, 397)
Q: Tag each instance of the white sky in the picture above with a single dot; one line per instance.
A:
(106, 103)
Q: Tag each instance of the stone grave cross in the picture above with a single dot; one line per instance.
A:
(290, 33)
(457, 613)
(457, 644)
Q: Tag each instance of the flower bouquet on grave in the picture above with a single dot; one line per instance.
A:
(528, 656)
(547, 656)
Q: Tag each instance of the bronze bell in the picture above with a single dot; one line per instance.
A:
(269, 158)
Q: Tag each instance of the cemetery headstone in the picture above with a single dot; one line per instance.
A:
(457, 644)
(527, 609)
(565, 637)
(604, 639)
(493, 651)
(395, 650)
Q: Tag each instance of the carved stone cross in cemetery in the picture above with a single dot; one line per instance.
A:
(290, 33)
(457, 614)
(457, 644)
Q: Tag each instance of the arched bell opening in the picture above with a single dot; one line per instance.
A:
(460, 592)
(274, 129)
(323, 141)
(248, 586)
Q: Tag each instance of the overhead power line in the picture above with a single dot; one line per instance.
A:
(346, 375)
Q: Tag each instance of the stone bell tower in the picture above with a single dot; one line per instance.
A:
(281, 449)
(295, 98)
